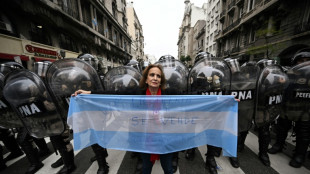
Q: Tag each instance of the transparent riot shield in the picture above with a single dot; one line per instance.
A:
(296, 105)
(209, 76)
(176, 76)
(243, 87)
(40, 68)
(123, 80)
(7, 67)
(271, 84)
(29, 97)
(8, 118)
(65, 76)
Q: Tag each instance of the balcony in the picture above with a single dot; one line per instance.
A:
(201, 32)
(239, 2)
(231, 7)
(222, 16)
(73, 13)
(235, 49)
(231, 26)
(300, 28)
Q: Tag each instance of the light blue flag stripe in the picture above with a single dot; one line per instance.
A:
(168, 102)
(108, 121)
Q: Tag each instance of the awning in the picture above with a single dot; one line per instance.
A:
(41, 59)
(11, 56)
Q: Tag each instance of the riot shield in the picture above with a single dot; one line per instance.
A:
(270, 88)
(7, 67)
(209, 76)
(123, 80)
(65, 76)
(8, 118)
(296, 104)
(40, 68)
(243, 87)
(176, 76)
(29, 97)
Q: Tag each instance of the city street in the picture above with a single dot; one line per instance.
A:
(120, 162)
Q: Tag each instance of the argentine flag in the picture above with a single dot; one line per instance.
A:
(154, 124)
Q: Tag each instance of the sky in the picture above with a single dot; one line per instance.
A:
(161, 20)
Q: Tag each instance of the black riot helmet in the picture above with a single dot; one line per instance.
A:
(166, 57)
(202, 55)
(7, 67)
(89, 59)
(135, 64)
(301, 56)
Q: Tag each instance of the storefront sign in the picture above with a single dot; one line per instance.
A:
(41, 52)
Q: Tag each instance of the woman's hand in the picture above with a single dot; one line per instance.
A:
(80, 91)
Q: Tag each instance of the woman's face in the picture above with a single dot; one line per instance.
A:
(154, 77)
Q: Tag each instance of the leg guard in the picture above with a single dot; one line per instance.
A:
(10, 143)
(241, 140)
(263, 142)
(302, 143)
(101, 154)
(28, 146)
(282, 129)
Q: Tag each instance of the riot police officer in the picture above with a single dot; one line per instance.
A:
(176, 77)
(208, 75)
(284, 124)
(100, 152)
(27, 143)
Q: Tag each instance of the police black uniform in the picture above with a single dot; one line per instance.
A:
(302, 127)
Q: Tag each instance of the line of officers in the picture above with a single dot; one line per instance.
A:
(35, 104)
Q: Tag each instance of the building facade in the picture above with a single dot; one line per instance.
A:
(256, 29)
(136, 32)
(212, 25)
(35, 30)
(192, 14)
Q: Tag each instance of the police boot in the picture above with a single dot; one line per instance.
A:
(43, 149)
(175, 161)
(234, 162)
(241, 140)
(2, 163)
(302, 143)
(263, 142)
(32, 156)
(211, 164)
(190, 154)
(57, 163)
(11, 144)
(68, 160)
(210, 160)
(282, 129)
(101, 154)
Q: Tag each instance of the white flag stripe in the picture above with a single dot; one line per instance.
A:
(115, 121)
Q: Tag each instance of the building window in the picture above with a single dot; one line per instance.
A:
(240, 11)
(114, 9)
(39, 34)
(252, 35)
(109, 31)
(5, 25)
(85, 49)
(251, 4)
(66, 42)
